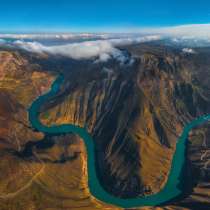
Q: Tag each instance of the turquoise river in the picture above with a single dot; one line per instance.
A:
(169, 191)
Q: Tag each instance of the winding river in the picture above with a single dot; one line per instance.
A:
(172, 187)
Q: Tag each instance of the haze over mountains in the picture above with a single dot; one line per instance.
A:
(104, 45)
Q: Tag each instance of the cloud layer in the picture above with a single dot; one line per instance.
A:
(64, 36)
(106, 46)
(103, 49)
(198, 31)
(76, 50)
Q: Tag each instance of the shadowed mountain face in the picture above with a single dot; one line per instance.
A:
(135, 113)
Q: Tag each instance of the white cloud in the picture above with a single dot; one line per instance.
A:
(103, 49)
(188, 50)
(29, 46)
(103, 57)
(83, 50)
(134, 39)
(192, 31)
(64, 36)
(188, 31)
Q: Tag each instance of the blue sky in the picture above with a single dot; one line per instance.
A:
(99, 15)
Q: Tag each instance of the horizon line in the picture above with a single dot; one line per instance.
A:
(106, 30)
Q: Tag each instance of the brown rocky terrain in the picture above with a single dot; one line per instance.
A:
(135, 114)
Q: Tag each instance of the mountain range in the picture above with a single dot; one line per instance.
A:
(134, 99)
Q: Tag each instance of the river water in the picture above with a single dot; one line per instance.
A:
(172, 187)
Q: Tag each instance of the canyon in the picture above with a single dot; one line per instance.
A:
(135, 113)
